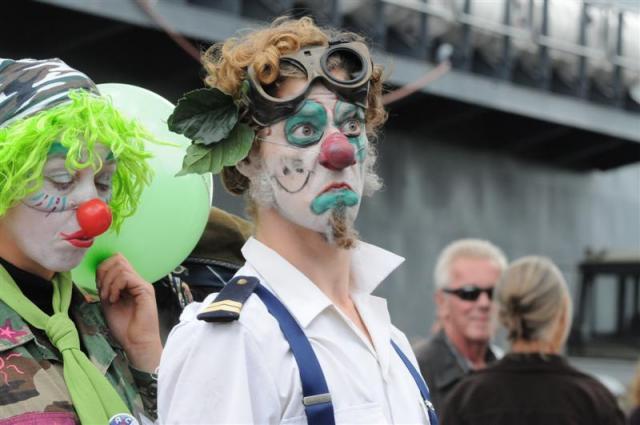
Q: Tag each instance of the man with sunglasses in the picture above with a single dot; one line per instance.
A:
(466, 272)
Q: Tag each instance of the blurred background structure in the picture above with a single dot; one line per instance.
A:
(531, 139)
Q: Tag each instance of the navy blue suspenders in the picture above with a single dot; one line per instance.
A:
(422, 386)
(315, 392)
(316, 397)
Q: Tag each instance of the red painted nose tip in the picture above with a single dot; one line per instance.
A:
(94, 217)
(337, 153)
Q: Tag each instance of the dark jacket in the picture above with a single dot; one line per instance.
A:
(531, 389)
(634, 416)
(443, 367)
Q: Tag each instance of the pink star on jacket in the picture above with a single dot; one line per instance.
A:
(8, 333)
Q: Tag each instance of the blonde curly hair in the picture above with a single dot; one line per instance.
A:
(226, 64)
(530, 296)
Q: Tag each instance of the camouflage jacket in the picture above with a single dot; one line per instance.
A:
(32, 387)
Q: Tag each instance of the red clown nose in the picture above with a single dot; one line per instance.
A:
(94, 217)
(337, 153)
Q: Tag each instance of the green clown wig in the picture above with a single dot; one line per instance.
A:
(78, 125)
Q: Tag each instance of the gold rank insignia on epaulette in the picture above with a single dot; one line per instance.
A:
(228, 304)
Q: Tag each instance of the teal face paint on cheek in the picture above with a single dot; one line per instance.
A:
(334, 199)
(307, 126)
(343, 111)
(359, 143)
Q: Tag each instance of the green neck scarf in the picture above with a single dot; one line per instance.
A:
(94, 398)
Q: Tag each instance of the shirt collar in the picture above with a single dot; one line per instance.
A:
(370, 265)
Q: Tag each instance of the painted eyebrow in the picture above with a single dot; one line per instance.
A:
(308, 109)
(348, 111)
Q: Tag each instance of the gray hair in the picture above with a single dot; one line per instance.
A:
(530, 296)
(466, 248)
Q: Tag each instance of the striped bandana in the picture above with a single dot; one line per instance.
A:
(28, 86)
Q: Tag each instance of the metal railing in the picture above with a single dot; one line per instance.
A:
(535, 35)
(586, 50)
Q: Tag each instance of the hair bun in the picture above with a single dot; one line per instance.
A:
(515, 307)
(530, 296)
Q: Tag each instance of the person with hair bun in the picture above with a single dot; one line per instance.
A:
(533, 384)
(296, 336)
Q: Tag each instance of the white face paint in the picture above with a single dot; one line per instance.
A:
(44, 224)
(303, 185)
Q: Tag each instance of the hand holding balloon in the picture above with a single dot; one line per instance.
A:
(172, 211)
(129, 306)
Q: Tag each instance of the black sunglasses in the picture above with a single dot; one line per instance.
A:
(469, 292)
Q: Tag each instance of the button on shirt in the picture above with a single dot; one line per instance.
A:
(244, 372)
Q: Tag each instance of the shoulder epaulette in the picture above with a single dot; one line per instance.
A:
(227, 305)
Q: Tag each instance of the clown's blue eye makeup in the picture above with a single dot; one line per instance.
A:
(350, 119)
(306, 126)
(351, 127)
(304, 131)
(348, 113)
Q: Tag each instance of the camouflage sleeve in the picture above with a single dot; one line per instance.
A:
(147, 384)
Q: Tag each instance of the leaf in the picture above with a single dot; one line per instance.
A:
(244, 88)
(202, 159)
(197, 160)
(205, 116)
(237, 145)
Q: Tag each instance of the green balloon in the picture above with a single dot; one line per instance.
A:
(173, 211)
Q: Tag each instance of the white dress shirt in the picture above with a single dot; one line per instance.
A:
(243, 372)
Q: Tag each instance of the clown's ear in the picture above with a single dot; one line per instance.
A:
(250, 166)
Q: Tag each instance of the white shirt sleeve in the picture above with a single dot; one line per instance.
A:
(214, 373)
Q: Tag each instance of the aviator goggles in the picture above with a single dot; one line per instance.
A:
(469, 292)
(349, 80)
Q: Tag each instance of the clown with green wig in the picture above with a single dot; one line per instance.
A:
(71, 167)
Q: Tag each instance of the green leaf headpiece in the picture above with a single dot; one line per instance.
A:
(211, 119)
